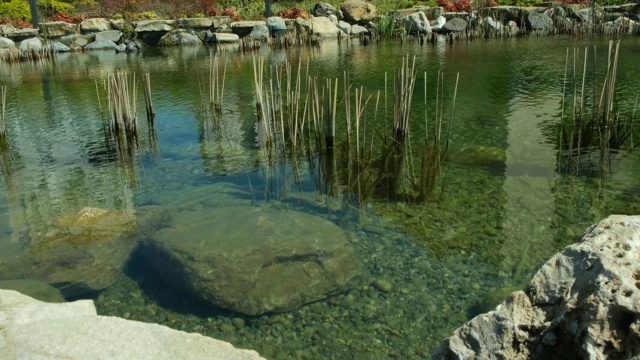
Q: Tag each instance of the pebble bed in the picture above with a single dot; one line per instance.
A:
(403, 306)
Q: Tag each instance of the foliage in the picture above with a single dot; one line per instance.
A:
(124, 7)
(488, 3)
(15, 10)
(293, 13)
(47, 8)
(233, 14)
(447, 5)
(463, 6)
(77, 19)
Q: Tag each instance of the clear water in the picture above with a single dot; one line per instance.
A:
(506, 207)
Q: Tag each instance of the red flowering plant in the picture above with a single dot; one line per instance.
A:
(293, 13)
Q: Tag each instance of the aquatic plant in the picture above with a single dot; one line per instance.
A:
(598, 130)
(3, 103)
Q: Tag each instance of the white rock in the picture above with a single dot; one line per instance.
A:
(35, 330)
(31, 45)
(584, 303)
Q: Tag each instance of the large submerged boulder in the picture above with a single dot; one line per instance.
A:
(253, 260)
(30, 329)
(584, 303)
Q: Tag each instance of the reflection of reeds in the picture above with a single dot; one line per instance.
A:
(216, 86)
(14, 55)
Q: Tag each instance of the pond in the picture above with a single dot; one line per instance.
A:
(505, 199)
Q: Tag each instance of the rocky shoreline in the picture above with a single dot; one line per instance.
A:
(355, 18)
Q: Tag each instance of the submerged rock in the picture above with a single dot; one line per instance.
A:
(584, 303)
(38, 290)
(30, 329)
(253, 260)
(85, 252)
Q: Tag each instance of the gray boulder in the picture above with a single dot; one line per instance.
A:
(23, 34)
(33, 44)
(324, 9)
(438, 23)
(359, 30)
(121, 48)
(344, 26)
(358, 11)
(57, 29)
(6, 29)
(179, 37)
(455, 25)
(101, 45)
(122, 25)
(6, 43)
(587, 15)
(111, 35)
(81, 40)
(196, 24)
(416, 23)
(59, 47)
(493, 24)
(94, 25)
(276, 22)
(540, 22)
(504, 13)
(321, 26)
(31, 329)
(432, 13)
(584, 303)
(153, 25)
(222, 38)
(260, 32)
(253, 260)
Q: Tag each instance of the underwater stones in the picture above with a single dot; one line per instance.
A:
(86, 252)
(30, 329)
(583, 303)
(253, 260)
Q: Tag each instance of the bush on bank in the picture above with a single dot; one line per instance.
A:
(17, 13)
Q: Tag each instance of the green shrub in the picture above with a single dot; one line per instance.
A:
(16, 10)
(49, 7)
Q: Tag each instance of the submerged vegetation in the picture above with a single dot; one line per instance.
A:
(591, 136)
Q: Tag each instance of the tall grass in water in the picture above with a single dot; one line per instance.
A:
(300, 116)
(598, 130)
(216, 86)
(3, 103)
